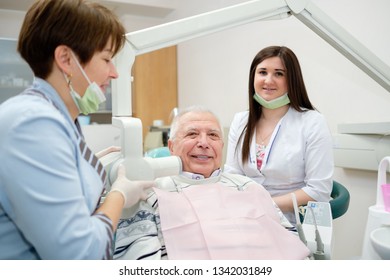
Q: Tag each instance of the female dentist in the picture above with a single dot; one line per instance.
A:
(50, 182)
(282, 142)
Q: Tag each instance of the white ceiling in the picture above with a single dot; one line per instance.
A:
(148, 8)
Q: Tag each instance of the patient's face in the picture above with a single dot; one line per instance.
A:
(198, 143)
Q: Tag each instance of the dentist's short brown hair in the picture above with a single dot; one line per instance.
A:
(84, 26)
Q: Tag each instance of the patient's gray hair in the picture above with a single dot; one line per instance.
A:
(197, 109)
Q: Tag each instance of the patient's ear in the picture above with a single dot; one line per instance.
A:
(170, 146)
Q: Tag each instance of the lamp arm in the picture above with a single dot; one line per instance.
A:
(340, 39)
(181, 30)
(172, 33)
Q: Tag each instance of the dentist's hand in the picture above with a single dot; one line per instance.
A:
(132, 191)
(108, 150)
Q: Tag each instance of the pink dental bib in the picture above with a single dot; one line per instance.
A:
(218, 222)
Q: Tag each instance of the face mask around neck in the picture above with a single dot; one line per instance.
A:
(272, 104)
(93, 95)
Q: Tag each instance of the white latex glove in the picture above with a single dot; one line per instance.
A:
(132, 191)
(108, 150)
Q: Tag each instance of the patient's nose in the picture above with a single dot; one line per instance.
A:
(203, 141)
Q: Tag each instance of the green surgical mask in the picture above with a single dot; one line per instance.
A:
(92, 97)
(272, 104)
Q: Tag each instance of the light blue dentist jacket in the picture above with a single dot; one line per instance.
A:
(48, 191)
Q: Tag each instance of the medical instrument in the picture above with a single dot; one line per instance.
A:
(300, 231)
(131, 155)
(318, 228)
(319, 254)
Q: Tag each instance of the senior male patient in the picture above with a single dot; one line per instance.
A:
(204, 213)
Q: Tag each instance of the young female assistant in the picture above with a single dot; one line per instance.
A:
(282, 141)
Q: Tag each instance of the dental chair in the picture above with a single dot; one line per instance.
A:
(340, 200)
(338, 206)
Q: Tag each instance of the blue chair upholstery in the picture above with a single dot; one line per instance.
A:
(158, 152)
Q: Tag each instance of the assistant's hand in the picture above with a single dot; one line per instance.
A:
(132, 191)
(108, 150)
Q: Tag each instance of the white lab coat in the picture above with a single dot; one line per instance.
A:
(299, 156)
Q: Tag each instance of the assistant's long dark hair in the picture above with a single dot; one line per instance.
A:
(299, 100)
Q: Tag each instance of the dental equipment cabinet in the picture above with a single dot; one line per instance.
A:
(378, 220)
(172, 33)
